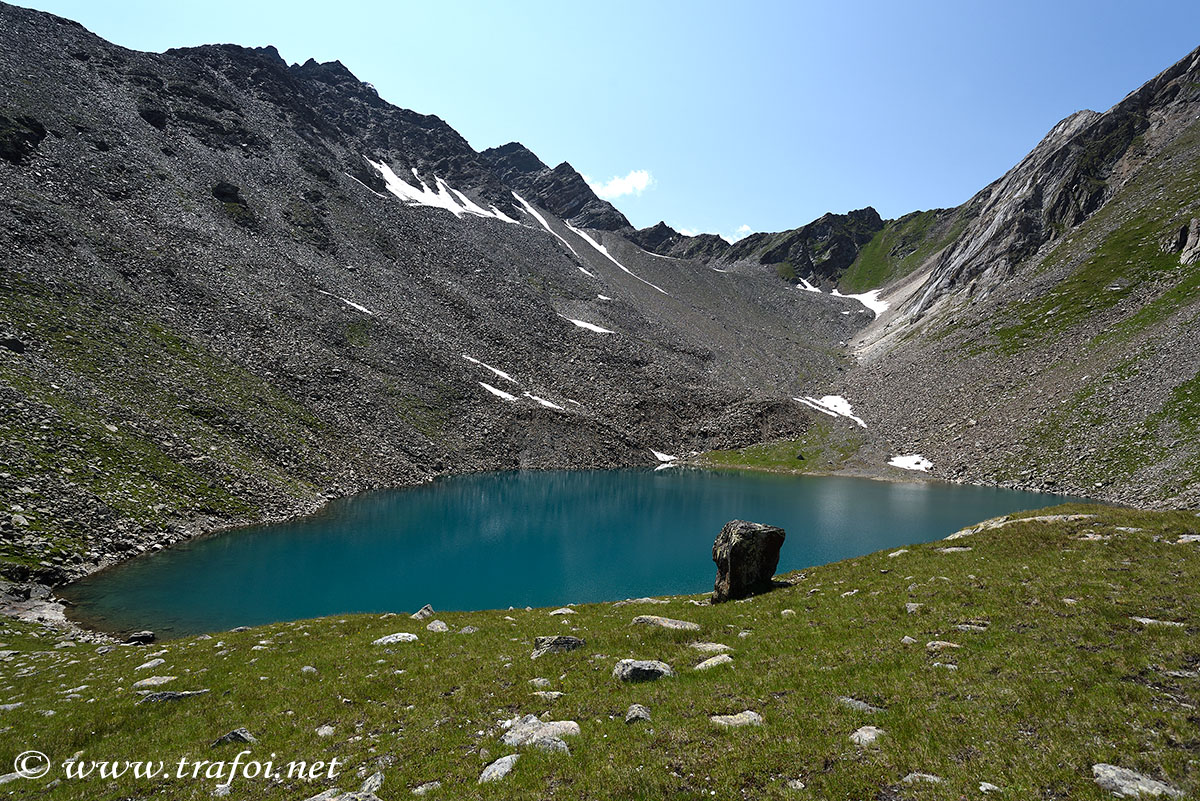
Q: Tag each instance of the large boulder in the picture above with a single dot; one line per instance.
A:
(746, 555)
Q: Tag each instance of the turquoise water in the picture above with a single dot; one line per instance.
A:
(495, 540)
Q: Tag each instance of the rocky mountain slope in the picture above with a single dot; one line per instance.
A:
(233, 287)
(1051, 342)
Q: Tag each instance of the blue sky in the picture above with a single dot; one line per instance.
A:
(750, 116)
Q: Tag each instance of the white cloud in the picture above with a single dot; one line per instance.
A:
(688, 231)
(636, 182)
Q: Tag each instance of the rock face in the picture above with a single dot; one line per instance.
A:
(746, 555)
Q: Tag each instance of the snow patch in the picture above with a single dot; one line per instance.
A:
(832, 405)
(807, 287)
(537, 216)
(663, 457)
(603, 297)
(498, 372)
(912, 462)
(446, 197)
(609, 256)
(869, 299)
(588, 326)
(543, 401)
(350, 303)
(499, 393)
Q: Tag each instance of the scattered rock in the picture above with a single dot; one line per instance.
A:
(854, 703)
(548, 695)
(788, 612)
(557, 644)
(239, 735)
(746, 555)
(140, 638)
(714, 661)
(565, 610)
(912, 608)
(746, 718)
(425, 611)
(971, 627)
(927, 778)
(437, 626)
(710, 647)
(666, 623)
(153, 663)
(498, 769)
(866, 735)
(894, 554)
(467, 630)
(954, 549)
(988, 787)
(636, 712)
(1184, 539)
(325, 731)
(906, 640)
(398, 637)
(309, 669)
(637, 670)
(796, 784)
(427, 787)
(168, 695)
(1125, 782)
(152, 681)
(540, 682)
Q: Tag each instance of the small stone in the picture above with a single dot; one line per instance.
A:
(970, 627)
(665, 622)
(151, 681)
(427, 787)
(747, 718)
(437, 626)
(565, 610)
(168, 695)
(636, 712)
(540, 682)
(795, 784)
(894, 554)
(557, 644)
(955, 549)
(854, 703)
(372, 784)
(788, 612)
(866, 735)
(912, 608)
(239, 735)
(941, 645)
(548, 695)
(927, 778)
(532, 730)
(325, 731)
(1125, 782)
(398, 637)
(710, 647)
(906, 640)
(153, 663)
(422, 613)
(638, 670)
(1149, 621)
(466, 630)
(715, 661)
(988, 787)
(309, 669)
(498, 769)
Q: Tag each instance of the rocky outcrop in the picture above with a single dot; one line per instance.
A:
(746, 555)
(561, 191)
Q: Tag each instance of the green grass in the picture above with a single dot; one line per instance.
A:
(823, 447)
(1050, 688)
(901, 247)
